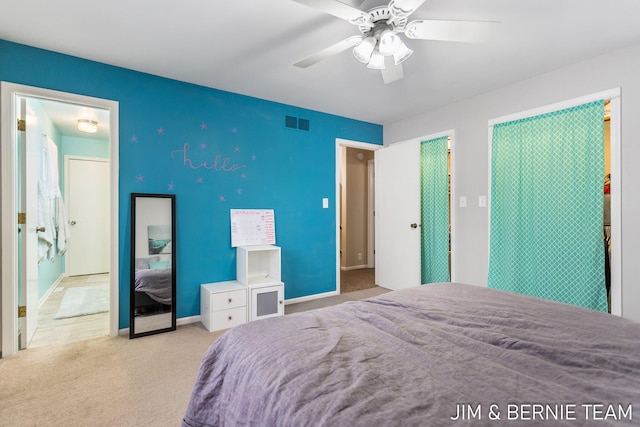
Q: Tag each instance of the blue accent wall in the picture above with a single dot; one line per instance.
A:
(215, 151)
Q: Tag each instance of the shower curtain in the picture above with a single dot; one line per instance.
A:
(434, 197)
(547, 206)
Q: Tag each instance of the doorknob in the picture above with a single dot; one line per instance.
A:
(72, 222)
(414, 225)
(40, 229)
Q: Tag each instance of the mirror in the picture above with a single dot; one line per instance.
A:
(153, 273)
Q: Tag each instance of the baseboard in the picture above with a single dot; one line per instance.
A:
(310, 297)
(354, 267)
(50, 290)
(187, 320)
(179, 322)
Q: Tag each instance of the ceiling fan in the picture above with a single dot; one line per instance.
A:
(380, 45)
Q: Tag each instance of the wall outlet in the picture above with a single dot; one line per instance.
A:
(359, 256)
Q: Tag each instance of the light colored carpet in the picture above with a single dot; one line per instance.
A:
(113, 381)
(104, 381)
(84, 300)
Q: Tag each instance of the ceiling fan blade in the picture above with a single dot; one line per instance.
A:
(403, 8)
(391, 72)
(339, 10)
(457, 31)
(329, 51)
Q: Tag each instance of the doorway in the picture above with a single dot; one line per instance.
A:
(611, 181)
(55, 124)
(355, 238)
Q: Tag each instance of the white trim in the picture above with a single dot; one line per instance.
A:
(615, 157)
(371, 218)
(8, 157)
(355, 267)
(311, 297)
(607, 94)
(612, 95)
(452, 204)
(53, 286)
(187, 320)
(344, 143)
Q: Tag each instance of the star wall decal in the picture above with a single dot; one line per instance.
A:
(234, 130)
(203, 146)
(221, 198)
(161, 131)
(253, 157)
(243, 176)
(139, 178)
(170, 187)
(203, 125)
(199, 180)
(237, 149)
(134, 138)
(239, 191)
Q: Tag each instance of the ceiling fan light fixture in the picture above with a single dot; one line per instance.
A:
(401, 53)
(389, 42)
(363, 51)
(377, 61)
(88, 126)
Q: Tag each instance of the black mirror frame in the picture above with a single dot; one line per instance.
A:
(132, 306)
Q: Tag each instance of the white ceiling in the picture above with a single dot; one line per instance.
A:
(65, 117)
(249, 46)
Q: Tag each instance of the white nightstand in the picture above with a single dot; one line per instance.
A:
(223, 305)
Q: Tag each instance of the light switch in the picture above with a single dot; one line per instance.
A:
(463, 201)
(482, 201)
(325, 203)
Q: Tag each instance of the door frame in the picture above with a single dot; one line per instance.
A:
(451, 134)
(612, 95)
(339, 144)
(9, 209)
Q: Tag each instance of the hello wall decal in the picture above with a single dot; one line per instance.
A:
(198, 156)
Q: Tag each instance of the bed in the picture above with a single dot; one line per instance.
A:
(435, 355)
(152, 284)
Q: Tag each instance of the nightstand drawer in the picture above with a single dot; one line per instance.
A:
(226, 300)
(226, 319)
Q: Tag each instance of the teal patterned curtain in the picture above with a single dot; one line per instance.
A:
(434, 196)
(547, 176)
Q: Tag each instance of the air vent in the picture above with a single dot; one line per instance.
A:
(292, 122)
(303, 124)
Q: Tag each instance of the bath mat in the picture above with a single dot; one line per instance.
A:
(84, 300)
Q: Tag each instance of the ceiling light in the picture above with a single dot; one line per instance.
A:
(363, 51)
(401, 53)
(89, 126)
(377, 61)
(389, 42)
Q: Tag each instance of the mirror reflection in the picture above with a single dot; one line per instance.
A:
(152, 264)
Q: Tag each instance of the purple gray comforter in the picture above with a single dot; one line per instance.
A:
(155, 283)
(438, 355)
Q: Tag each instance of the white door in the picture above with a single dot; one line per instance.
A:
(397, 203)
(87, 197)
(30, 152)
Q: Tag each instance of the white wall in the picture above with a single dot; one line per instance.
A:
(469, 120)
